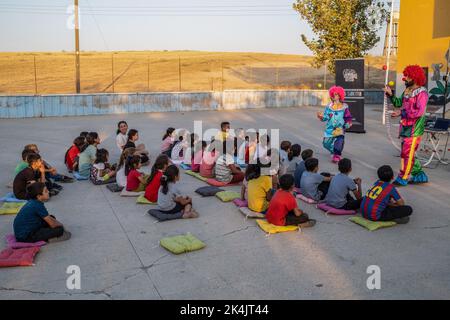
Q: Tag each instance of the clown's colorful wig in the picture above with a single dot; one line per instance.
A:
(416, 73)
(337, 90)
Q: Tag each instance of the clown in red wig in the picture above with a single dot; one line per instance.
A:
(338, 118)
(412, 104)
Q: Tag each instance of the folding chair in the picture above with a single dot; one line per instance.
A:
(434, 137)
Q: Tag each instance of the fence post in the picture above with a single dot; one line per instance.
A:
(276, 78)
(148, 74)
(179, 73)
(112, 71)
(221, 65)
(35, 75)
(211, 75)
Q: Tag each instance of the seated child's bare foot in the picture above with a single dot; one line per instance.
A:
(190, 214)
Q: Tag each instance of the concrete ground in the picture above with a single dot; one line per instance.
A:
(116, 243)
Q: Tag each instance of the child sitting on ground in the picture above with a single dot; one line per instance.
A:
(263, 144)
(293, 159)
(283, 209)
(314, 185)
(167, 141)
(33, 223)
(226, 170)
(224, 132)
(23, 164)
(136, 181)
(338, 195)
(259, 189)
(133, 136)
(209, 160)
(50, 171)
(102, 172)
(198, 156)
(383, 202)
(179, 147)
(73, 152)
(158, 169)
(285, 150)
(306, 154)
(250, 171)
(121, 178)
(35, 172)
(86, 158)
(191, 149)
(170, 200)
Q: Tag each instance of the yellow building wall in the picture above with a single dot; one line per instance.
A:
(422, 29)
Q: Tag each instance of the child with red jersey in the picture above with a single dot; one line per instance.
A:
(283, 209)
(151, 191)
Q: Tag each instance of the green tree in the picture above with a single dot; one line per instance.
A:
(344, 29)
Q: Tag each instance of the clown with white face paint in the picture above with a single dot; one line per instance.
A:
(412, 104)
(338, 118)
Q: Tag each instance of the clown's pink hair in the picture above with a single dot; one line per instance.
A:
(339, 90)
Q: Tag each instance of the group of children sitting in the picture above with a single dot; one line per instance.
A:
(269, 183)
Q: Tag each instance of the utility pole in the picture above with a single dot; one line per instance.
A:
(77, 48)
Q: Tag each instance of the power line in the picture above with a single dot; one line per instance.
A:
(98, 27)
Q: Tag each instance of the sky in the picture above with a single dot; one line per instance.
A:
(112, 25)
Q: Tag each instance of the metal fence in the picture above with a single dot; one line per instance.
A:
(128, 72)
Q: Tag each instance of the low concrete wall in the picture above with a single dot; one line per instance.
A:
(93, 104)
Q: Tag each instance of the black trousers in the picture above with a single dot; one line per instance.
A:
(293, 220)
(44, 233)
(324, 186)
(392, 213)
(351, 204)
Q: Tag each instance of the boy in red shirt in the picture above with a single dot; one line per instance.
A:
(283, 209)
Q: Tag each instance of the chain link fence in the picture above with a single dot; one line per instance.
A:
(125, 72)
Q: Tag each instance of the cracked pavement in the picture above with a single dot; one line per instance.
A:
(116, 243)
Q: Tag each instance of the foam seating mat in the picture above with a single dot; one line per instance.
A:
(240, 203)
(372, 225)
(214, 182)
(143, 200)
(227, 196)
(126, 193)
(306, 199)
(195, 175)
(185, 166)
(182, 243)
(11, 207)
(208, 191)
(114, 187)
(9, 197)
(271, 229)
(18, 257)
(330, 210)
(249, 214)
(161, 216)
(14, 244)
(79, 177)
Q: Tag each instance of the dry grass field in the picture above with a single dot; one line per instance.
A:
(144, 71)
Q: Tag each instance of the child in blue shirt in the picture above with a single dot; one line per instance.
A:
(33, 222)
